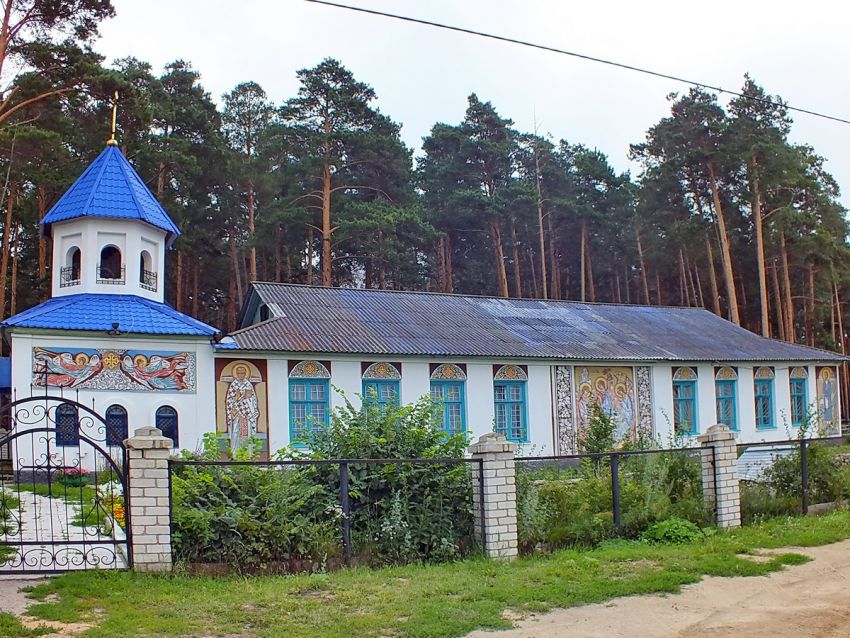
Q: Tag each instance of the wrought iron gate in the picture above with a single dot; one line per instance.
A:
(62, 489)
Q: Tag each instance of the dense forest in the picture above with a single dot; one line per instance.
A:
(725, 213)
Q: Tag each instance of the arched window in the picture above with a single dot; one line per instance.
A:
(509, 396)
(147, 276)
(725, 392)
(167, 422)
(685, 400)
(309, 399)
(448, 389)
(67, 425)
(70, 273)
(116, 425)
(799, 396)
(110, 270)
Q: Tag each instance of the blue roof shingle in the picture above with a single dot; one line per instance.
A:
(98, 312)
(110, 188)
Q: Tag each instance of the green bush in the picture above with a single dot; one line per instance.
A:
(289, 517)
(672, 530)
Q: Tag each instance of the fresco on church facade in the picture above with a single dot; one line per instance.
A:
(612, 388)
(827, 388)
(241, 409)
(111, 369)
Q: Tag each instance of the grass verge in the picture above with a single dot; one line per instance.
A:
(417, 601)
(11, 627)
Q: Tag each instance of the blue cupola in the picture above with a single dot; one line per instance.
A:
(110, 189)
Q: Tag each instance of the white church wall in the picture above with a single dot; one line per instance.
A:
(195, 410)
(662, 402)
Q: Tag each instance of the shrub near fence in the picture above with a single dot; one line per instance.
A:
(404, 484)
(586, 499)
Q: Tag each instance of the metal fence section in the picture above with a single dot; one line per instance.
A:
(421, 507)
(585, 498)
(794, 476)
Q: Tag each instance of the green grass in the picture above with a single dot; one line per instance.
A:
(417, 601)
(11, 627)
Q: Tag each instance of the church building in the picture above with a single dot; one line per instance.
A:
(531, 369)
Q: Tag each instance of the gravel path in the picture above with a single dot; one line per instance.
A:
(805, 601)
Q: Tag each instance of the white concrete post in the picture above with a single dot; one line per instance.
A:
(720, 474)
(497, 514)
(148, 499)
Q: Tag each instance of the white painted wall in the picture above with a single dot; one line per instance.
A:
(91, 235)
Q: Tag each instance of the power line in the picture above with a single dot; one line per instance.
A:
(581, 56)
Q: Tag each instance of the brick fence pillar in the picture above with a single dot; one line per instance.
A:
(720, 474)
(498, 514)
(148, 499)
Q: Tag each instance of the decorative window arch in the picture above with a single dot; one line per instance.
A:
(726, 373)
(168, 422)
(764, 373)
(116, 424)
(111, 267)
(382, 370)
(510, 373)
(684, 374)
(799, 373)
(448, 372)
(67, 425)
(310, 370)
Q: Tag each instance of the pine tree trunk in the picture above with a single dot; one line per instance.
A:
(288, 261)
(643, 273)
(310, 240)
(689, 280)
(790, 331)
(777, 302)
(252, 259)
(712, 277)
(450, 274)
(41, 202)
(684, 296)
(759, 236)
(441, 265)
(617, 293)
(515, 256)
(327, 266)
(591, 282)
(196, 287)
(7, 248)
(231, 305)
(810, 308)
(277, 254)
(499, 254)
(13, 300)
(555, 275)
(535, 286)
(540, 224)
(583, 262)
(699, 285)
(658, 288)
(725, 253)
(234, 264)
(627, 284)
(382, 271)
(178, 291)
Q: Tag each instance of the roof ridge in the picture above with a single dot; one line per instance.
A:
(254, 325)
(474, 296)
(97, 179)
(182, 316)
(128, 178)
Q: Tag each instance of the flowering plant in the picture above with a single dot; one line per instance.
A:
(73, 476)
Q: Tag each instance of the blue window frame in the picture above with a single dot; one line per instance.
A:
(727, 405)
(67, 426)
(169, 423)
(764, 403)
(381, 392)
(799, 402)
(309, 407)
(116, 425)
(685, 407)
(451, 408)
(509, 397)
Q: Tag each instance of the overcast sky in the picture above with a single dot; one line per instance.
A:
(423, 75)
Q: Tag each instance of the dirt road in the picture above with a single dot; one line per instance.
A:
(806, 601)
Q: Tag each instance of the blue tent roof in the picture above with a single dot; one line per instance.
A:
(100, 312)
(111, 188)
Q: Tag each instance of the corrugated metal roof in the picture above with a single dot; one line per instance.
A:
(110, 188)
(340, 320)
(99, 312)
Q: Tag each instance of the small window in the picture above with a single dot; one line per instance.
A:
(69, 275)
(725, 391)
(147, 276)
(509, 398)
(67, 425)
(799, 396)
(381, 392)
(309, 407)
(685, 401)
(110, 270)
(763, 391)
(167, 422)
(116, 425)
